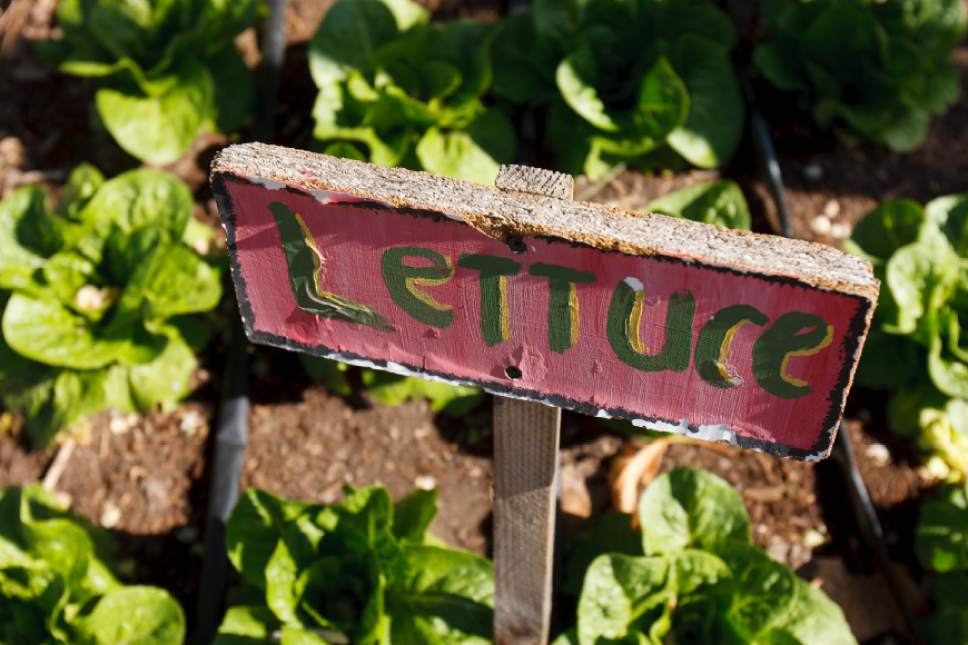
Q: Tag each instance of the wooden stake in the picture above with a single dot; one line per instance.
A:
(526, 437)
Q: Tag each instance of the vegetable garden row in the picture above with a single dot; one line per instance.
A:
(117, 318)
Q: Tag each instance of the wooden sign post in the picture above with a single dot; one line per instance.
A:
(675, 325)
(526, 439)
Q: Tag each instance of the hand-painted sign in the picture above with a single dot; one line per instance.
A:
(676, 325)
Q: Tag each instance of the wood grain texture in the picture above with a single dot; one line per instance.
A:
(503, 214)
(536, 181)
(526, 437)
(671, 342)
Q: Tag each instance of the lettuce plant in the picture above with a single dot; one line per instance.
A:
(361, 571)
(95, 297)
(398, 91)
(168, 69)
(718, 202)
(55, 586)
(876, 68)
(635, 81)
(942, 547)
(393, 389)
(915, 345)
(699, 578)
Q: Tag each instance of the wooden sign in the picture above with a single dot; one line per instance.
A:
(675, 325)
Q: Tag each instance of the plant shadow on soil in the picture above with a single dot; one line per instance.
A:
(150, 482)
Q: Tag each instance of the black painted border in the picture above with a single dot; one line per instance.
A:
(821, 448)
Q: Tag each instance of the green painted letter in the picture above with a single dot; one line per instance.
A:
(306, 274)
(715, 343)
(793, 334)
(625, 317)
(403, 282)
(494, 272)
(563, 313)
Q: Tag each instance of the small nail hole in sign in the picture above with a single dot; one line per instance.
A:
(513, 372)
(516, 244)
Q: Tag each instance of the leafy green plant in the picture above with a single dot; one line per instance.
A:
(393, 389)
(168, 69)
(915, 345)
(95, 297)
(55, 586)
(713, 202)
(878, 69)
(639, 81)
(700, 579)
(942, 547)
(361, 571)
(398, 91)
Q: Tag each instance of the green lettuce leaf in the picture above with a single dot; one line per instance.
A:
(692, 509)
(716, 202)
(159, 129)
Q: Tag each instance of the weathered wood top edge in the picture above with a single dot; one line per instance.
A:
(502, 214)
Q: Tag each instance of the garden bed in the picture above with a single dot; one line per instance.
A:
(147, 477)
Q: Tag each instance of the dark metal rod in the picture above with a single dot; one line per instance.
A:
(230, 441)
(232, 433)
(864, 512)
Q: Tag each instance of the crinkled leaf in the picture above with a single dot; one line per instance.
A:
(437, 570)
(352, 31)
(576, 77)
(48, 332)
(691, 508)
(714, 125)
(716, 202)
(618, 590)
(474, 154)
(83, 182)
(245, 625)
(18, 260)
(181, 283)
(814, 618)
(950, 213)
(254, 527)
(136, 614)
(413, 514)
(140, 198)
(159, 129)
(942, 532)
(764, 592)
(281, 573)
(446, 596)
(884, 230)
(63, 544)
(164, 380)
(916, 274)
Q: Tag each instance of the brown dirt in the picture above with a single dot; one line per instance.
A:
(140, 476)
(127, 472)
(310, 449)
(305, 443)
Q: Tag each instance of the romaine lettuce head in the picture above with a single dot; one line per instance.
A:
(96, 295)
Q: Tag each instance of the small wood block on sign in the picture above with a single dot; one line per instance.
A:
(676, 325)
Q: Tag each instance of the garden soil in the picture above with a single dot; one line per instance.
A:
(147, 477)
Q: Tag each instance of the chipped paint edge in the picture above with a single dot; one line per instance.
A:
(720, 433)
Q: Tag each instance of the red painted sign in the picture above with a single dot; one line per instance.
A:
(708, 351)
